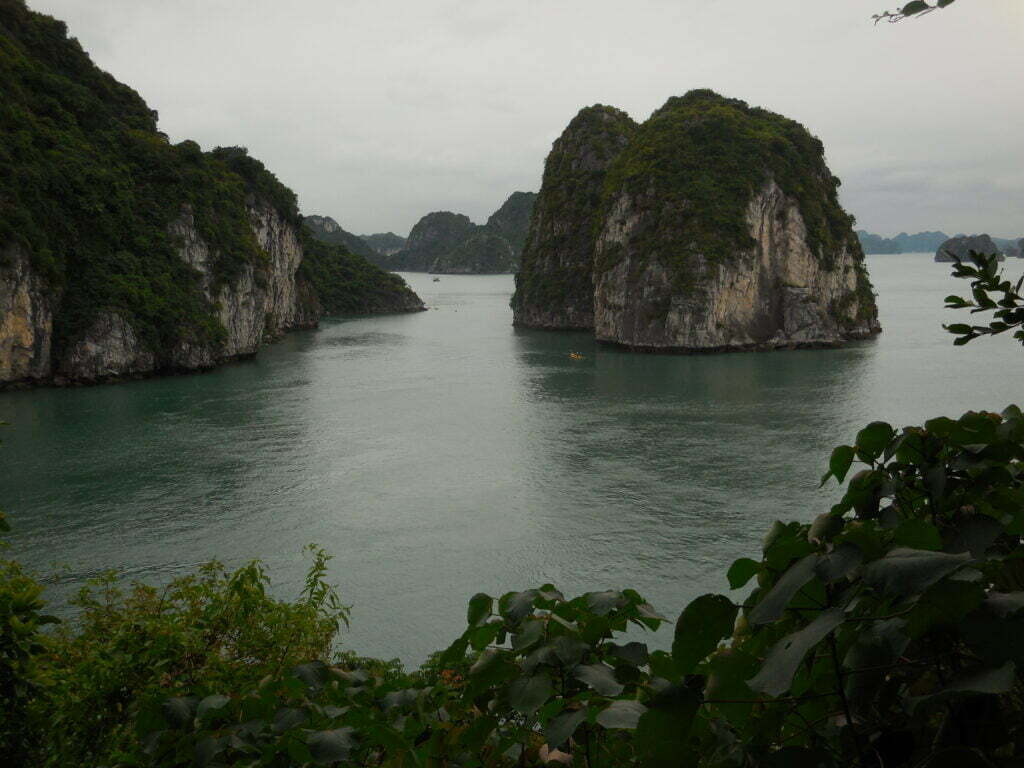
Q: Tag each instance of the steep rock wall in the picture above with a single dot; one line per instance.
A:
(261, 302)
(554, 286)
(26, 320)
(779, 293)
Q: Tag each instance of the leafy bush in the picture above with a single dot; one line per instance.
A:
(987, 282)
(72, 697)
(348, 284)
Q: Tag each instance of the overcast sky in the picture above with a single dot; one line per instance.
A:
(378, 111)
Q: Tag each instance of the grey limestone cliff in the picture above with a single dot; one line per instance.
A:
(26, 319)
(260, 303)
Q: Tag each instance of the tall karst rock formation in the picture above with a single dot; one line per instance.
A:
(554, 286)
(122, 254)
(711, 226)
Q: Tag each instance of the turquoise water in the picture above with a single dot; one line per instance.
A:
(444, 453)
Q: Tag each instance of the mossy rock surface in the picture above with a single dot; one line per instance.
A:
(554, 286)
(697, 162)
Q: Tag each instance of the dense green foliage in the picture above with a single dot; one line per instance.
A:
(73, 697)
(990, 292)
(88, 188)
(557, 261)
(699, 160)
(347, 284)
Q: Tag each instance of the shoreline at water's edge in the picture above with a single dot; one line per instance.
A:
(61, 382)
(768, 347)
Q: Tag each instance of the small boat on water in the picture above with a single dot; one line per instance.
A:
(575, 356)
(437, 279)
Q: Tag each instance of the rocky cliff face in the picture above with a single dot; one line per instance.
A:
(714, 226)
(777, 293)
(554, 286)
(961, 246)
(26, 319)
(260, 303)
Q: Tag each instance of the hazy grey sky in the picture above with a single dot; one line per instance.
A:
(378, 111)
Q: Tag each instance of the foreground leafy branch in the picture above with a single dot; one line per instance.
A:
(991, 293)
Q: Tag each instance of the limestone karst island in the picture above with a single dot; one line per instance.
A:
(330, 428)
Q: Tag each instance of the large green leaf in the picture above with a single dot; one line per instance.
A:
(873, 440)
(662, 732)
(603, 603)
(839, 563)
(624, 713)
(561, 728)
(774, 603)
(906, 572)
(527, 693)
(1005, 604)
(211, 704)
(179, 710)
(839, 464)
(633, 653)
(730, 669)
(991, 681)
(530, 633)
(742, 571)
(700, 628)
(945, 603)
(330, 746)
(479, 610)
(600, 677)
(516, 605)
(777, 672)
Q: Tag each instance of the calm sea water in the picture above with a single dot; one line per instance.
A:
(444, 453)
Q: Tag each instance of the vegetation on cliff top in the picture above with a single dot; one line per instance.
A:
(348, 284)
(698, 161)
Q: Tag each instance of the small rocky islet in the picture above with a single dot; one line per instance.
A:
(712, 226)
